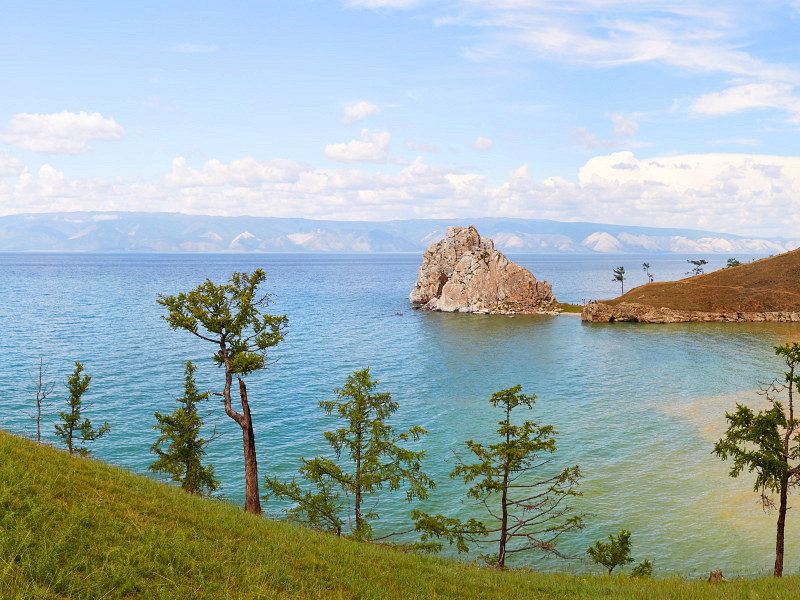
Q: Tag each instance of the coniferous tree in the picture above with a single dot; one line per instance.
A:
(180, 448)
(229, 316)
(768, 444)
(72, 428)
(526, 501)
(369, 455)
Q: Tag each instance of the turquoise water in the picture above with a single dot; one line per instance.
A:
(637, 407)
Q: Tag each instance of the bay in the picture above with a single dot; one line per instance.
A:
(638, 407)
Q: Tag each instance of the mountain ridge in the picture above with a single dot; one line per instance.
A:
(175, 232)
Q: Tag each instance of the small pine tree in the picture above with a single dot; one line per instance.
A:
(183, 455)
(615, 553)
(71, 426)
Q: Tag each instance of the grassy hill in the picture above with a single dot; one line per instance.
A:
(76, 528)
(769, 284)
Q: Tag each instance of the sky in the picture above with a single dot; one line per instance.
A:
(666, 113)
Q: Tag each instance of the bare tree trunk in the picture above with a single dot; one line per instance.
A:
(781, 526)
(252, 503)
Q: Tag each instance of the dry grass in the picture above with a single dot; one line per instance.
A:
(769, 284)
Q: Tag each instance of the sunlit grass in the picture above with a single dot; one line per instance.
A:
(75, 528)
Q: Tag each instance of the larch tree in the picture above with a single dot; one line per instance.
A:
(179, 448)
(527, 501)
(370, 455)
(229, 316)
(619, 275)
(73, 428)
(768, 443)
(43, 390)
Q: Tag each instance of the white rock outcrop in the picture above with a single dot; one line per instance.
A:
(465, 273)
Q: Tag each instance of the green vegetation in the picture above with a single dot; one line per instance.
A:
(614, 553)
(533, 509)
(569, 308)
(646, 269)
(75, 528)
(732, 262)
(71, 427)
(769, 444)
(619, 275)
(180, 431)
(230, 317)
(697, 266)
(369, 455)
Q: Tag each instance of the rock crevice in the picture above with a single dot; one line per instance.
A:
(465, 273)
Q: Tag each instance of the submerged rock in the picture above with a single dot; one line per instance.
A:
(465, 273)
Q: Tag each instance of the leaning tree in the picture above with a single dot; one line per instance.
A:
(768, 443)
(230, 316)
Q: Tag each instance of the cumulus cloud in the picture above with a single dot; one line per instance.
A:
(420, 147)
(243, 172)
(624, 126)
(746, 194)
(359, 111)
(60, 133)
(372, 147)
(10, 166)
(483, 144)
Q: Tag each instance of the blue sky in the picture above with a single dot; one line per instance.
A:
(661, 113)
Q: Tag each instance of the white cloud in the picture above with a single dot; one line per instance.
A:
(188, 48)
(372, 147)
(10, 166)
(580, 136)
(359, 111)
(749, 96)
(243, 172)
(483, 144)
(420, 147)
(60, 133)
(624, 126)
(746, 194)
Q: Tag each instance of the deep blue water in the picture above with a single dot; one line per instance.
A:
(638, 407)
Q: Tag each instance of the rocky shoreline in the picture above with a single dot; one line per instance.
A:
(465, 273)
(642, 313)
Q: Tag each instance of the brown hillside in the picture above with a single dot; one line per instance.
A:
(770, 284)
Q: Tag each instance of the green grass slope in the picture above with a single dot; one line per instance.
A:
(76, 528)
(769, 284)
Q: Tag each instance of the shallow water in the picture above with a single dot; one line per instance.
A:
(638, 407)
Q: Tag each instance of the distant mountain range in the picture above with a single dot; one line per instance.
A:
(171, 232)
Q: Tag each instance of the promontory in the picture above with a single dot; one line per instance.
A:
(465, 273)
(764, 290)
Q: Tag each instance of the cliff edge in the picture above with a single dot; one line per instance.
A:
(764, 290)
(465, 273)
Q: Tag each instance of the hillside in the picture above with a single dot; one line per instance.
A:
(769, 284)
(76, 528)
(172, 232)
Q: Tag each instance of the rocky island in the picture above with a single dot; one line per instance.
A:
(764, 290)
(465, 273)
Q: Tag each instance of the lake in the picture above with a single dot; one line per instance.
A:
(638, 407)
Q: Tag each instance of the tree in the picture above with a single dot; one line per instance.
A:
(532, 512)
(43, 390)
(732, 262)
(646, 269)
(71, 426)
(230, 316)
(619, 275)
(180, 431)
(369, 456)
(615, 553)
(769, 444)
(697, 268)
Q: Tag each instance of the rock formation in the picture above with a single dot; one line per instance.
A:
(642, 313)
(465, 273)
